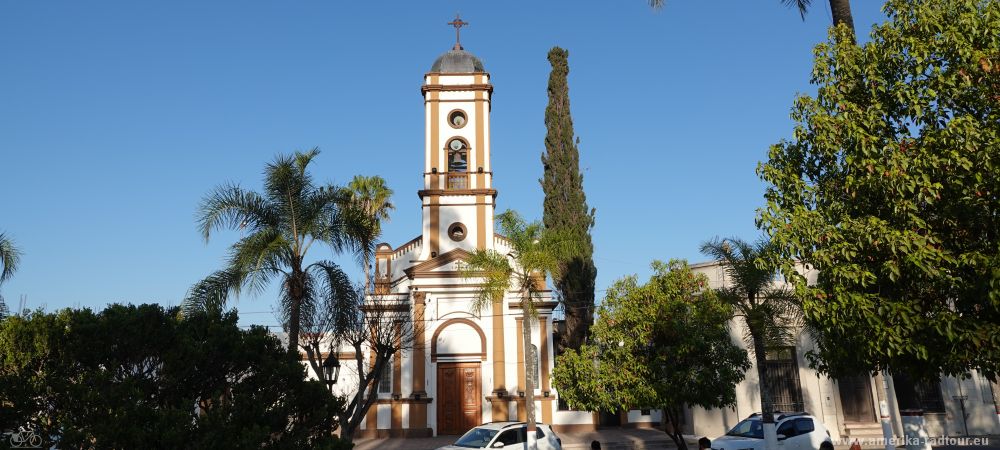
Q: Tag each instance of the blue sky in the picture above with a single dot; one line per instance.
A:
(116, 117)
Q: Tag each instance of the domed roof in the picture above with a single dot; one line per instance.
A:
(457, 60)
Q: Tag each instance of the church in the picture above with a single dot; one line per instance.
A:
(467, 366)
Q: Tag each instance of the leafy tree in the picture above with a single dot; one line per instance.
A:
(138, 377)
(281, 225)
(770, 311)
(376, 329)
(366, 205)
(890, 188)
(565, 205)
(839, 9)
(665, 344)
(533, 252)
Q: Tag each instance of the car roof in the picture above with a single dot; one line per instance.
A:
(503, 424)
(778, 415)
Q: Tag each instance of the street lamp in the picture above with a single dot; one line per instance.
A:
(331, 370)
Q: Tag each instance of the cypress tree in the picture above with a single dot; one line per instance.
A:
(565, 204)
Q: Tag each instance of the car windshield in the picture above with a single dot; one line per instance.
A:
(476, 438)
(751, 428)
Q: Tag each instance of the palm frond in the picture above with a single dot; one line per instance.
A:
(338, 292)
(801, 5)
(308, 298)
(493, 270)
(372, 195)
(212, 294)
(287, 181)
(260, 256)
(10, 257)
(232, 207)
(657, 4)
(743, 262)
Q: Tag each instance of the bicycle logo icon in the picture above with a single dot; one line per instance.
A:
(25, 437)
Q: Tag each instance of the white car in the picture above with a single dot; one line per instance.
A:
(509, 435)
(796, 431)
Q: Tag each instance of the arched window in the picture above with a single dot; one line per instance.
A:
(458, 156)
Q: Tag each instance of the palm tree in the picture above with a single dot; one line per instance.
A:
(10, 257)
(280, 225)
(840, 9)
(366, 206)
(534, 253)
(770, 310)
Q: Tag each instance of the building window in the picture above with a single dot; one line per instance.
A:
(385, 381)
(929, 396)
(783, 379)
(458, 154)
(457, 231)
(457, 118)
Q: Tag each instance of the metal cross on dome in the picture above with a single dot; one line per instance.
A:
(458, 23)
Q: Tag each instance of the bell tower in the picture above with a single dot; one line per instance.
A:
(458, 197)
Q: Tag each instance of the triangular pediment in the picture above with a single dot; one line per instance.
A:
(446, 264)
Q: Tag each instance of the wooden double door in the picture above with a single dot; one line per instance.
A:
(459, 397)
(856, 398)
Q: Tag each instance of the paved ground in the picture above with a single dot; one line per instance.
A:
(610, 439)
(627, 439)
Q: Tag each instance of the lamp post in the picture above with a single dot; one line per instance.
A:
(331, 371)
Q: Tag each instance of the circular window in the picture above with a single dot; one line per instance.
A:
(457, 231)
(457, 118)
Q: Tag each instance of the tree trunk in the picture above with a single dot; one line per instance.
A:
(674, 428)
(841, 10)
(766, 404)
(529, 371)
(368, 276)
(294, 318)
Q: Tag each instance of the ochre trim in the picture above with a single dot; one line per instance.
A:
(519, 333)
(439, 192)
(446, 324)
(395, 417)
(435, 217)
(499, 358)
(538, 305)
(419, 347)
(481, 221)
(544, 357)
(457, 100)
(456, 87)
(480, 137)
(546, 408)
(435, 75)
(397, 364)
(439, 261)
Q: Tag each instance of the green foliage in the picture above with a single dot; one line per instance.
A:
(665, 343)
(534, 252)
(890, 188)
(132, 376)
(366, 205)
(565, 204)
(281, 225)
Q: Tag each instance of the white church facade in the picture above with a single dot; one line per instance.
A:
(466, 367)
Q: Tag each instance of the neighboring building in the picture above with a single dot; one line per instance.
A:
(848, 406)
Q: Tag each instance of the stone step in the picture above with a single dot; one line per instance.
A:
(869, 429)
